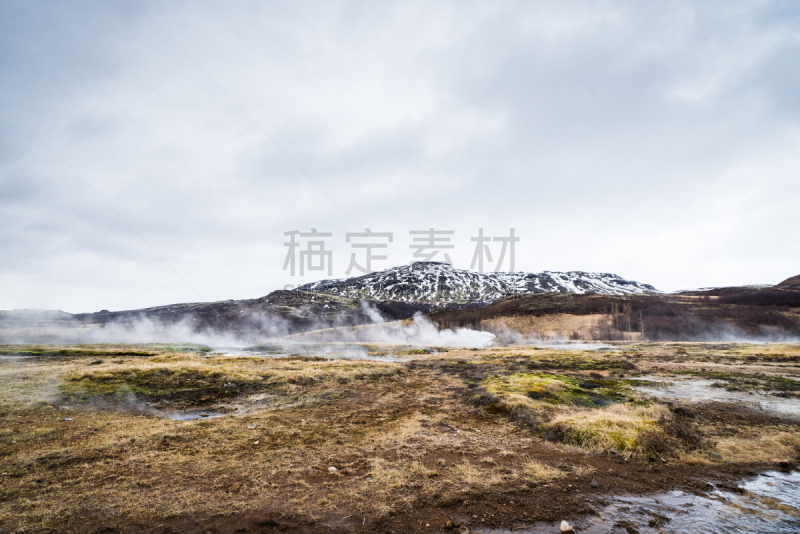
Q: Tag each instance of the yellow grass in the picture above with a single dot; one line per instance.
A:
(618, 427)
(781, 445)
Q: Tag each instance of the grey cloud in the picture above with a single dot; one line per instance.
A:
(627, 153)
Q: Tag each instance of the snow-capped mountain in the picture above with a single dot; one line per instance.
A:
(436, 282)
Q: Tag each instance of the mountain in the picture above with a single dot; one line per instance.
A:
(441, 283)
(571, 304)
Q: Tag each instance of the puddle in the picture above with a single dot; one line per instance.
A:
(700, 389)
(226, 351)
(191, 415)
(769, 503)
(12, 358)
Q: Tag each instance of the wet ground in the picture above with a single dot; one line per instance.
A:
(192, 415)
(697, 390)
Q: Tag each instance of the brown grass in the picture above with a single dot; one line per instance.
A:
(402, 436)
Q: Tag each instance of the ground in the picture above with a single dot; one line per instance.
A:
(445, 439)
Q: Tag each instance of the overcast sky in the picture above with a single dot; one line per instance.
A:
(153, 152)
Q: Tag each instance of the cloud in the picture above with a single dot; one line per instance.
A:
(612, 138)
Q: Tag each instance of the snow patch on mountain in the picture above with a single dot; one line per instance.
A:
(435, 282)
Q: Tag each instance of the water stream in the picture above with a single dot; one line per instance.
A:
(191, 415)
(769, 503)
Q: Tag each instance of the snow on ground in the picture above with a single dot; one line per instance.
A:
(441, 282)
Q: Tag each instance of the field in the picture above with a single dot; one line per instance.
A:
(443, 440)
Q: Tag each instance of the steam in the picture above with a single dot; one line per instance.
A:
(40, 329)
(719, 332)
(419, 331)
(371, 312)
(507, 336)
(250, 329)
(422, 331)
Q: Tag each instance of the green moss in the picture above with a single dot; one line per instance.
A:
(566, 361)
(559, 389)
(71, 353)
(153, 384)
(410, 351)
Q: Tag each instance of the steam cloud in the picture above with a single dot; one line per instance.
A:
(259, 328)
(262, 329)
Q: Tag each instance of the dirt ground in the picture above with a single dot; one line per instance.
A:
(438, 442)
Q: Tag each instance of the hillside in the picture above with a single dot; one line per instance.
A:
(278, 313)
(749, 312)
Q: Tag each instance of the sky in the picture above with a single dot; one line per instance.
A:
(154, 153)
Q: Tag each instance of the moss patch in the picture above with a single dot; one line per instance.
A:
(155, 383)
(559, 389)
(69, 352)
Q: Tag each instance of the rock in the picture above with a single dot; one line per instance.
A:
(463, 529)
(782, 462)
(252, 425)
(594, 484)
(448, 524)
(332, 470)
(566, 527)
(716, 455)
(67, 419)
